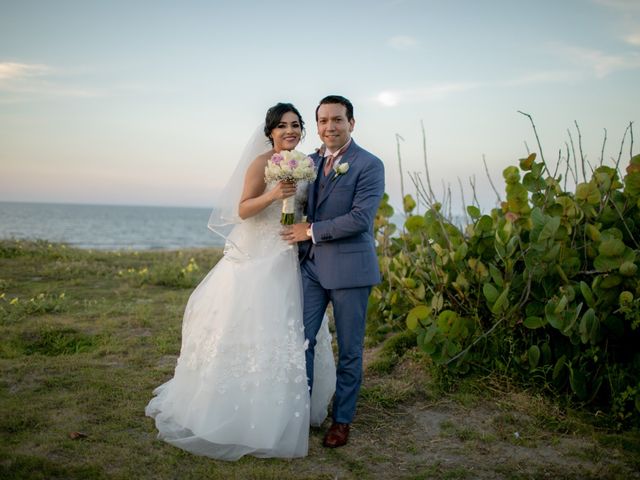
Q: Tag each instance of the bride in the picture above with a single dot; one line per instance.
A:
(240, 385)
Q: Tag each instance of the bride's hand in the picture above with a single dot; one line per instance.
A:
(283, 190)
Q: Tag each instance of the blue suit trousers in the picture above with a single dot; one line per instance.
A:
(350, 311)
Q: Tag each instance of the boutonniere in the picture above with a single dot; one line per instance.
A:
(340, 169)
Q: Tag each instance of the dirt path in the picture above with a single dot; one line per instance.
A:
(404, 430)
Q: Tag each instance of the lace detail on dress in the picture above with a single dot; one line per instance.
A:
(273, 359)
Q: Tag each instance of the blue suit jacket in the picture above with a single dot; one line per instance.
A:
(342, 217)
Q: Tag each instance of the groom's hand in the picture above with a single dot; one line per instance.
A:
(295, 233)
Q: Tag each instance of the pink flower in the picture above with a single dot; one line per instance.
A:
(293, 163)
(276, 158)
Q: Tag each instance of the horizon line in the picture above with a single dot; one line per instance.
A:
(93, 204)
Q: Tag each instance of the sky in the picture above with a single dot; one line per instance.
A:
(150, 102)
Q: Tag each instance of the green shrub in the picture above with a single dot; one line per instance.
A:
(545, 288)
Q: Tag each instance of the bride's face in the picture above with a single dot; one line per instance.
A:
(287, 133)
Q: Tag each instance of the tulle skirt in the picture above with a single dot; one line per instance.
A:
(240, 385)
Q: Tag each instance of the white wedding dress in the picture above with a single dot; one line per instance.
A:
(240, 385)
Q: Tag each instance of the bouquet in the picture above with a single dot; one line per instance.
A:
(290, 166)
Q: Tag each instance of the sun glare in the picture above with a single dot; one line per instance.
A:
(388, 99)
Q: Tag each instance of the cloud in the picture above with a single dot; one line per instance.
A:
(24, 81)
(391, 98)
(551, 76)
(11, 70)
(633, 39)
(628, 19)
(628, 5)
(30, 91)
(402, 42)
(600, 63)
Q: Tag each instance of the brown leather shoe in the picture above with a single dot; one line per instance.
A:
(337, 435)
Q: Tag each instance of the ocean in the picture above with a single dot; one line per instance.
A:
(109, 227)
(116, 227)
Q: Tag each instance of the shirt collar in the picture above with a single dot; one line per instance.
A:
(344, 148)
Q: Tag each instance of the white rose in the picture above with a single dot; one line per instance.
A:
(342, 168)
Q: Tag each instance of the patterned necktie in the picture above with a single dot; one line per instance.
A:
(328, 161)
(328, 164)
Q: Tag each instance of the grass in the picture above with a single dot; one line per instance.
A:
(86, 336)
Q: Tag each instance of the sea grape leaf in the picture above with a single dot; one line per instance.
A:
(534, 355)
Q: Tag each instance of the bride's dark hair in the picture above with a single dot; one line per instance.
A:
(274, 115)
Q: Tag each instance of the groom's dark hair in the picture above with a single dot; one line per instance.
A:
(336, 99)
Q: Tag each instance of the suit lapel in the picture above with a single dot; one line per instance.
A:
(313, 187)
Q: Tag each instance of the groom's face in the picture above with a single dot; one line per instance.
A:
(334, 128)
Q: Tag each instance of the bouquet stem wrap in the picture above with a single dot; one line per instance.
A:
(288, 210)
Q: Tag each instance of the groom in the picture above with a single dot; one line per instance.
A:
(337, 251)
